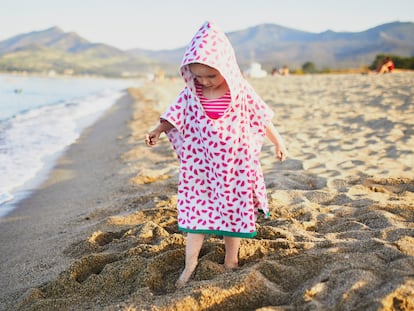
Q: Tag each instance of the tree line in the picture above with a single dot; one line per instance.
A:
(399, 62)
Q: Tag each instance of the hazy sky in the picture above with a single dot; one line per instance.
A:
(157, 24)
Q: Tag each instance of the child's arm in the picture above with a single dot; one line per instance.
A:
(276, 139)
(152, 137)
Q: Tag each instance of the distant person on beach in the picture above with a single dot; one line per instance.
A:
(285, 71)
(387, 66)
(217, 126)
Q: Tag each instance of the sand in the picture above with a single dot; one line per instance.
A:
(101, 233)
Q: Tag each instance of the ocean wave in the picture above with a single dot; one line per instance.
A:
(30, 139)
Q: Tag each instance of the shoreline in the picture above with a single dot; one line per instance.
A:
(35, 233)
(41, 121)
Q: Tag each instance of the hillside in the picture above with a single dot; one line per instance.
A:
(275, 46)
(272, 45)
(57, 51)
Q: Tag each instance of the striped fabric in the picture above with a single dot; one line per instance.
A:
(214, 108)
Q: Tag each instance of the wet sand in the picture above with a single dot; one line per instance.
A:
(85, 179)
(101, 233)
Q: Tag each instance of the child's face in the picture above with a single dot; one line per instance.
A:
(207, 76)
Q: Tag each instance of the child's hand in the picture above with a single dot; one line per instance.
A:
(152, 138)
(281, 152)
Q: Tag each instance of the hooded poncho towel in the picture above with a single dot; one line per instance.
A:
(221, 186)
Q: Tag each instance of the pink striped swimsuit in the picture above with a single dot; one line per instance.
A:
(214, 108)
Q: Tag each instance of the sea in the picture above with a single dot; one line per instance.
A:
(39, 118)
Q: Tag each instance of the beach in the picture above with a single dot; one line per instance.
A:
(101, 232)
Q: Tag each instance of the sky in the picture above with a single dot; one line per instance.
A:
(168, 24)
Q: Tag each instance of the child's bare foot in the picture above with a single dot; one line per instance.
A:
(184, 278)
(192, 249)
(231, 265)
(186, 274)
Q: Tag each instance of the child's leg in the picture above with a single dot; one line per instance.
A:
(192, 250)
(231, 259)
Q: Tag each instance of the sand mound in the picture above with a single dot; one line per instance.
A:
(340, 235)
(331, 249)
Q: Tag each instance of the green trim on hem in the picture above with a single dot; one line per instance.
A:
(267, 215)
(219, 232)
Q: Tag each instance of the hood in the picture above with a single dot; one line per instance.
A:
(210, 46)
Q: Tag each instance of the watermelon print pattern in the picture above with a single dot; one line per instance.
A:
(221, 187)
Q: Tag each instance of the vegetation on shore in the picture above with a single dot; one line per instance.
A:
(57, 63)
(403, 63)
(399, 61)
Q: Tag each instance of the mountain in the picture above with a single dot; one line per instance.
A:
(271, 45)
(57, 51)
(55, 38)
(275, 46)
